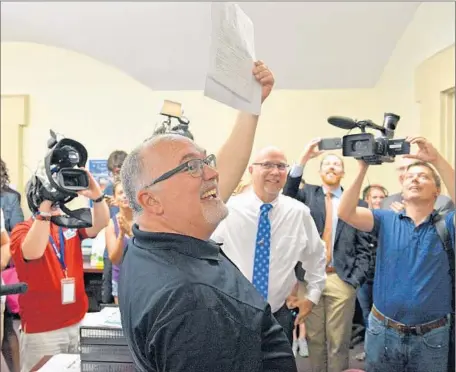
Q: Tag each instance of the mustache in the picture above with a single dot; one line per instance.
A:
(209, 186)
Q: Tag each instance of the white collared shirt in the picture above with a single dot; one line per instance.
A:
(294, 237)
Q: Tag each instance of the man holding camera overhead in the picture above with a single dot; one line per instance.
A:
(410, 322)
(49, 259)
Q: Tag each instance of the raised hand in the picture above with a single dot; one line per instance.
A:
(311, 151)
(426, 151)
(265, 77)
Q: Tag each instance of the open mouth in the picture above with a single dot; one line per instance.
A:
(211, 194)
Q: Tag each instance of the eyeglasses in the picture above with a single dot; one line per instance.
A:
(194, 167)
(269, 166)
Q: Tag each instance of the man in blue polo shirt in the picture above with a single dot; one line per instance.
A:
(409, 328)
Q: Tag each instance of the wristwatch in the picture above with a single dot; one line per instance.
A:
(42, 216)
(100, 199)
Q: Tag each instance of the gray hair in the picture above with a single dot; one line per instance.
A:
(132, 172)
(131, 175)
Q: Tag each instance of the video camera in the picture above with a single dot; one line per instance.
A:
(173, 111)
(373, 150)
(58, 179)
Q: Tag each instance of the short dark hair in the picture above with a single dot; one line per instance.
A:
(368, 189)
(116, 159)
(434, 173)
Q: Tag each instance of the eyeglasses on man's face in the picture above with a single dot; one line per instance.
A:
(271, 166)
(195, 167)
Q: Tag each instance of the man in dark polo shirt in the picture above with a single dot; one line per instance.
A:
(184, 306)
(409, 328)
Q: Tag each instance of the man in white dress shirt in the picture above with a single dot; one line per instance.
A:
(266, 233)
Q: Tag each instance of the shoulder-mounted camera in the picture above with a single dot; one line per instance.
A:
(58, 179)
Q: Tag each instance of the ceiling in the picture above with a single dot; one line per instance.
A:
(165, 45)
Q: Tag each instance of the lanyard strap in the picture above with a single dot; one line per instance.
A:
(60, 254)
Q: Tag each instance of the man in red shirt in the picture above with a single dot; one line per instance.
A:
(49, 259)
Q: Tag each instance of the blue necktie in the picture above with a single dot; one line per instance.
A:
(260, 278)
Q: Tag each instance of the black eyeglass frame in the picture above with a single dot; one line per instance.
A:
(198, 164)
(280, 166)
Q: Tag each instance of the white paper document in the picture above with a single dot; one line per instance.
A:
(229, 78)
(108, 317)
(62, 363)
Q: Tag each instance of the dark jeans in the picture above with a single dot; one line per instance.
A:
(388, 350)
(106, 290)
(365, 299)
(285, 318)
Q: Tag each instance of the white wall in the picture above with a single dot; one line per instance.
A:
(431, 30)
(106, 110)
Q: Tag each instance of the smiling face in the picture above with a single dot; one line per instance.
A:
(375, 197)
(331, 170)
(120, 197)
(269, 173)
(187, 202)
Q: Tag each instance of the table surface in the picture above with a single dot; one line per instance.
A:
(90, 269)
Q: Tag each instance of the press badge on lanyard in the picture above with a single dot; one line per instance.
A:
(67, 285)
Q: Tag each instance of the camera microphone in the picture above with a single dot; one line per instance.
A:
(12, 289)
(342, 122)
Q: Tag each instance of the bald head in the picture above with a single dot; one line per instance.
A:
(267, 152)
(148, 161)
(161, 153)
(185, 198)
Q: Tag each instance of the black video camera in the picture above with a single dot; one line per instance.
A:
(58, 179)
(373, 150)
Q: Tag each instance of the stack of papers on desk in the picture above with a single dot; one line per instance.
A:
(108, 317)
(62, 363)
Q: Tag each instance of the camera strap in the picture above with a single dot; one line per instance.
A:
(59, 253)
(444, 235)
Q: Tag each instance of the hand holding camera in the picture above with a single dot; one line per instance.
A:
(311, 151)
(60, 178)
(426, 151)
(93, 192)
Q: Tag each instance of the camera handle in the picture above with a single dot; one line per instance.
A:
(369, 124)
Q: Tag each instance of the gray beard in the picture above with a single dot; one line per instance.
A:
(215, 214)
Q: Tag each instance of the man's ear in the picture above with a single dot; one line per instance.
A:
(150, 202)
(438, 192)
(250, 169)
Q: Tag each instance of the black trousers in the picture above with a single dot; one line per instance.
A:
(285, 318)
(106, 291)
